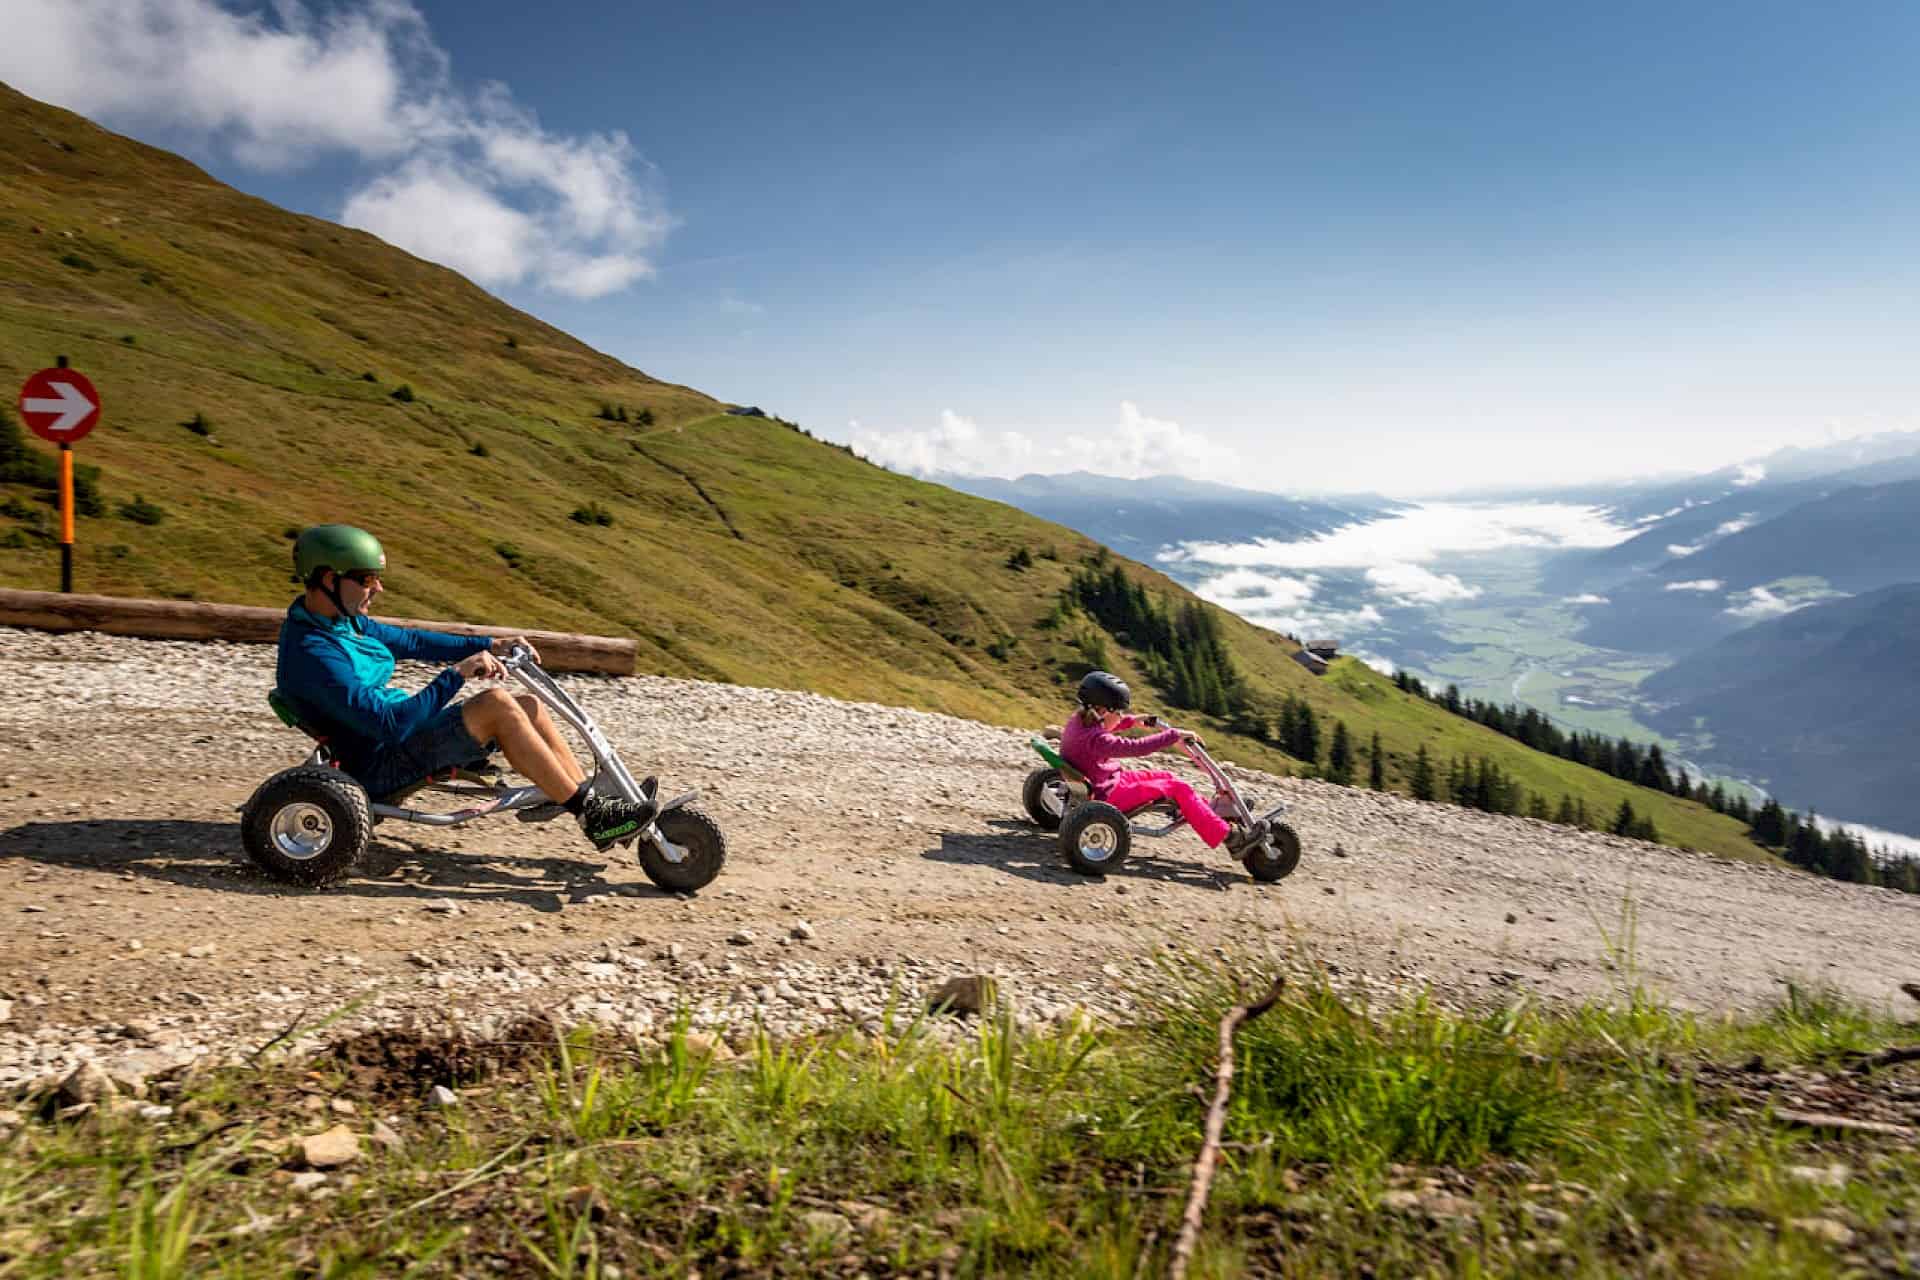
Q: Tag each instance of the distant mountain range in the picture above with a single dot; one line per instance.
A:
(1780, 590)
(1849, 539)
(1676, 521)
(1822, 705)
(1138, 517)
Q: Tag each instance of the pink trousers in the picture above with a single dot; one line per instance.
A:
(1138, 787)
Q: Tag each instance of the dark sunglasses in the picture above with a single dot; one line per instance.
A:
(361, 577)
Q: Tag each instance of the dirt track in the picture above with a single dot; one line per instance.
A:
(135, 926)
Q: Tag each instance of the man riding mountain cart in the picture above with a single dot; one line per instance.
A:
(332, 681)
(1092, 802)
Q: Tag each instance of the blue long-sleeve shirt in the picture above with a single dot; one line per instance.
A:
(335, 672)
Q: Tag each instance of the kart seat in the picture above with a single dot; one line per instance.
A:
(482, 770)
(291, 718)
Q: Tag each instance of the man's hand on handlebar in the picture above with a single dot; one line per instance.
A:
(480, 666)
(505, 644)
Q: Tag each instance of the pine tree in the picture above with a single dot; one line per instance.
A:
(1340, 756)
(1536, 806)
(1770, 825)
(1564, 815)
(1623, 819)
(1376, 768)
(1420, 785)
(1653, 770)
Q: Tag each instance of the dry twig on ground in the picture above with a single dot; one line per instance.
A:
(1820, 1120)
(1886, 1058)
(1209, 1156)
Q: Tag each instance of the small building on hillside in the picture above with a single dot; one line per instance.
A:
(1317, 655)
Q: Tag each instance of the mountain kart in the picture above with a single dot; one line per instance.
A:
(1096, 836)
(310, 824)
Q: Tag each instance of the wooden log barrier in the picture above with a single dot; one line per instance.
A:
(251, 624)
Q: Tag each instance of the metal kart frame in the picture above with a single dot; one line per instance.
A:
(495, 797)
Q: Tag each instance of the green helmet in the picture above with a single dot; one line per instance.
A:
(339, 547)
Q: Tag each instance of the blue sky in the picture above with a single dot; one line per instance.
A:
(1403, 247)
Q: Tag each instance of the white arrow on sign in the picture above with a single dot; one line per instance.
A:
(72, 406)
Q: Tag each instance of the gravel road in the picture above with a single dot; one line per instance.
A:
(873, 853)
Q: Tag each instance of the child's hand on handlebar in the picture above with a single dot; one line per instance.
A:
(480, 666)
(1152, 722)
(1190, 736)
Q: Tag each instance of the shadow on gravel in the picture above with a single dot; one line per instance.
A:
(207, 855)
(1033, 855)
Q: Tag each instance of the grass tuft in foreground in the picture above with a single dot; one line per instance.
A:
(1599, 1140)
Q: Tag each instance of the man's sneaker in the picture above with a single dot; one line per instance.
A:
(1240, 839)
(609, 819)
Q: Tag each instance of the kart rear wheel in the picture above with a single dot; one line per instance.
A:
(1275, 857)
(306, 825)
(701, 839)
(1045, 796)
(1095, 837)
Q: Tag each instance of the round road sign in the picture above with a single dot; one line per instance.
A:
(59, 405)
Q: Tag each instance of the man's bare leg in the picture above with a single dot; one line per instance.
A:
(549, 732)
(494, 714)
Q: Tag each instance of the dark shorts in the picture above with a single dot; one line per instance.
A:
(435, 747)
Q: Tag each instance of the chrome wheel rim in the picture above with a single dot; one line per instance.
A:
(1098, 842)
(302, 831)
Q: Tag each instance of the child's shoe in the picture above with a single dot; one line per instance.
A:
(1240, 839)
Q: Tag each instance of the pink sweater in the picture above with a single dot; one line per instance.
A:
(1092, 750)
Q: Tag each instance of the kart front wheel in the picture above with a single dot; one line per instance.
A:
(1275, 857)
(1045, 796)
(694, 835)
(306, 825)
(1095, 837)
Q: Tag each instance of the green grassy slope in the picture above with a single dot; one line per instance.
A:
(739, 549)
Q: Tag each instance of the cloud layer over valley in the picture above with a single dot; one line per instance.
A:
(1340, 583)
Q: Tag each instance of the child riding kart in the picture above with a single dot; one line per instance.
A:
(1092, 803)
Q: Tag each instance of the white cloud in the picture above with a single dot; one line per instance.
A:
(1135, 447)
(1385, 666)
(1248, 588)
(1411, 584)
(1734, 526)
(1676, 550)
(1751, 473)
(1698, 584)
(1312, 624)
(1283, 603)
(1588, 598)
(468, 179)
(1758, 602)
(1418, 535)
